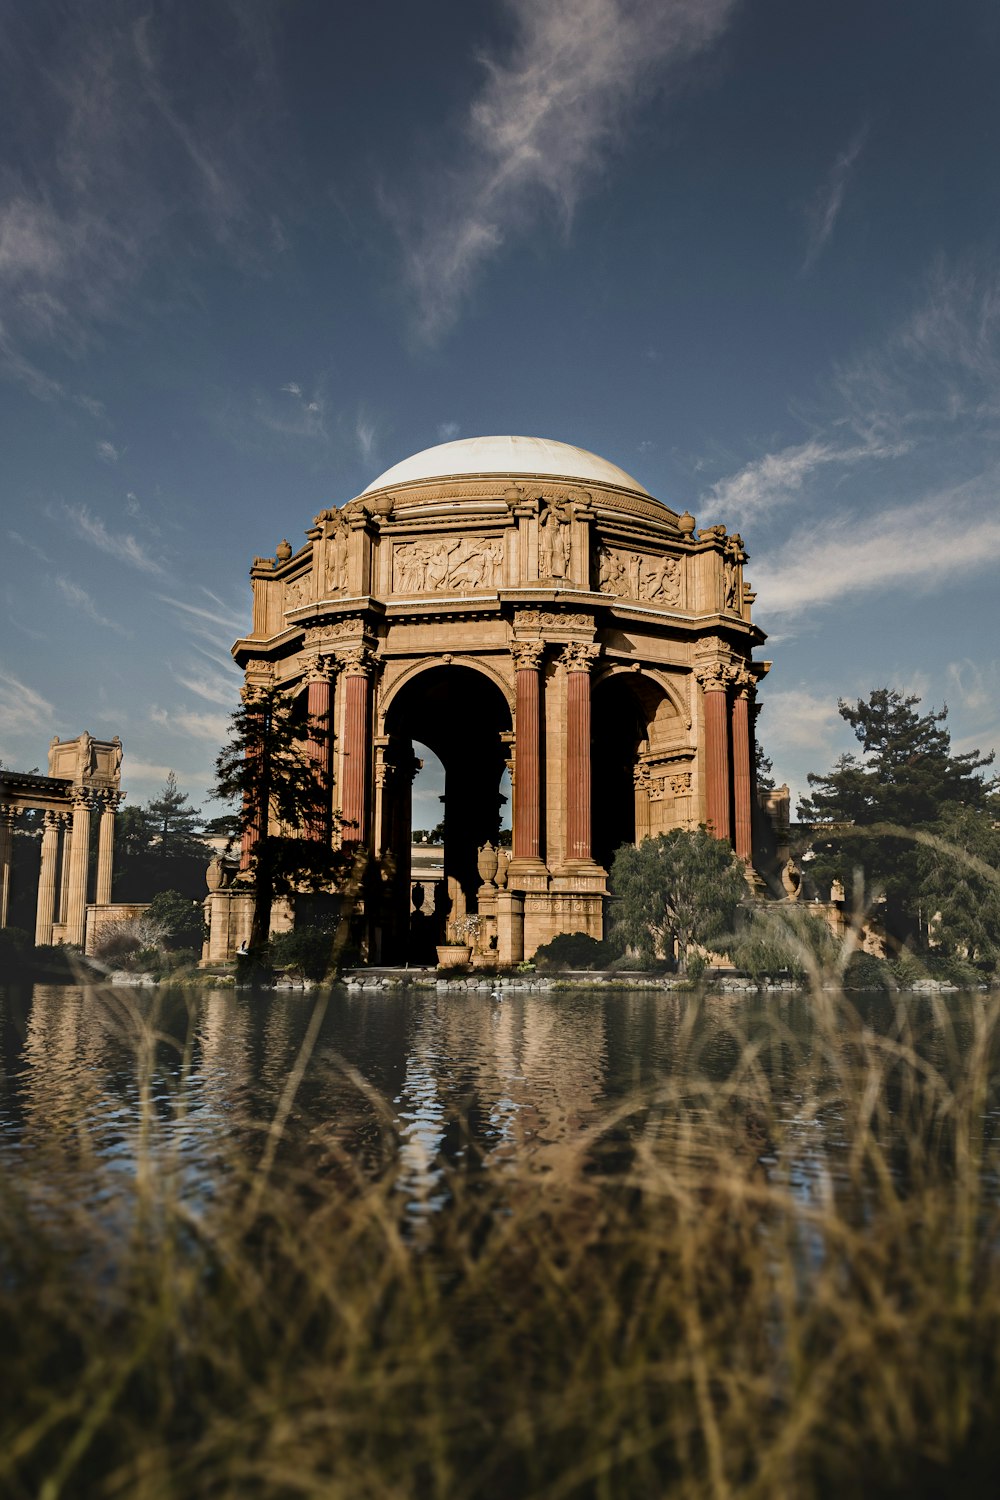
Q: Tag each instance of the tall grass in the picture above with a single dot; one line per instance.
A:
(783, 1283)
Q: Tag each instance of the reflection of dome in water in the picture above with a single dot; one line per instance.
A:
(505, 455)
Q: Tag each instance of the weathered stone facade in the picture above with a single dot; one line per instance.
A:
(549, 616)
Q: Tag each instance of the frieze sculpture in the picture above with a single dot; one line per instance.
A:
(447, 563)
(638, 576)
(297, 592)
(554, 541)
(336, 554)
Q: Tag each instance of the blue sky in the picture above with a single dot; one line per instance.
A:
(251, 254)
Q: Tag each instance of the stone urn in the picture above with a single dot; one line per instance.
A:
(487, 863)
(452, 955)
(503, 860)
(215, 875)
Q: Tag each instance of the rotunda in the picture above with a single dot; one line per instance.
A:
(522, 604)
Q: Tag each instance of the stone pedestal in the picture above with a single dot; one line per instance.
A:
(510, 927)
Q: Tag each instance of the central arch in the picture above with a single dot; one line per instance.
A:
(464, 717)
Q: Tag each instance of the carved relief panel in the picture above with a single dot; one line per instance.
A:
(636, 575)
(298, 591)
(435, 563)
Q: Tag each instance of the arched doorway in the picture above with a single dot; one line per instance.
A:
(463, 717)
(634, 720)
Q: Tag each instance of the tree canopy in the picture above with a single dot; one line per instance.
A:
(265, 770)
(678, 889)
(158, 847)
(885, 808)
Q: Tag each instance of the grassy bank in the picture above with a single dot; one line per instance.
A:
(721, 1289)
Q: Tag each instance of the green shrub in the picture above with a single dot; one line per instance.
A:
(697, 967)
(304, 948)
(866, 972)
(183, 920)
(574, 950)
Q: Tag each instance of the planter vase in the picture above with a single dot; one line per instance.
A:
(451, 955)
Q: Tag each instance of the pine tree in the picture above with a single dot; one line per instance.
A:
(905, 780)
(265, 770)
(173, 824)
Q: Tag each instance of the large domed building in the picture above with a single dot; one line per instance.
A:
(514, 604)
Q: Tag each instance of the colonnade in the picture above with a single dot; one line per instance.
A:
(66, 850)
(727, 693)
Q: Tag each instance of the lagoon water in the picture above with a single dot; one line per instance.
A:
(416, 1081)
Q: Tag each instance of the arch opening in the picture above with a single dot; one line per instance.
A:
(633, 717)
(461, 717)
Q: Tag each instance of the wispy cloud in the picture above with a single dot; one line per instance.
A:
(214, 621)
(23, 711)
(108, 453)
(366, 436)
(122, 545)
(824, 211)
(780, 478)
(200, 726)
(77, 596)
(116, 156)
(857, 554)
(976, 689)
(215, 686)
(550, 110)
(939, 369)
(447, 431)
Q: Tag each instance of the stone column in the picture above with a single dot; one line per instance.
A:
(319, 744)
(578, 659)
(356, 665)
(742, 770)
(45, 910)
(714, 681)
(106, 848)
(8, 816)
(253, 829)
(67, 849)
(76, 916)
(527, 789)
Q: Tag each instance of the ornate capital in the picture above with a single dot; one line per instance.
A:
(82, 798)
(318, 669)
(680, 783)
(579, 656)
(51, 820)
(714, 676)
(356, 661)
(742, 681)
(527, 655)
(109, 800)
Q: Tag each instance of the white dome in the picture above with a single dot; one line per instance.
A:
(505, 455)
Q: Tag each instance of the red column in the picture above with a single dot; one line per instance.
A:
(527, 750)
(252, 829)
(742, 775)
(713, 681)
(354, 780)
(578, 660)
(318, 748)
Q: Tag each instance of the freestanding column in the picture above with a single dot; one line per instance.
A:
(357, 666)
(7, 817)
(256, 826)
(742, 773)
(45, 909)
(319, 745)
(527, 840)
(578, 660)
(713, 679)
(76, 916)
(67, 847)
(106, 848)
